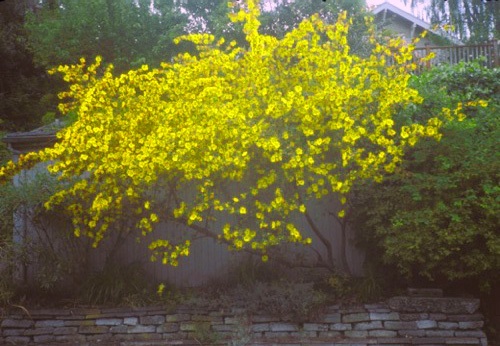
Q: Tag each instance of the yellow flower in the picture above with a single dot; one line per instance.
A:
(292, 117)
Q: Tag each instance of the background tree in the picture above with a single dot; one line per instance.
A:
(277, 16)
(286, 15)
(472, 21)
(22, 85)
(126, 33)
(37, 35)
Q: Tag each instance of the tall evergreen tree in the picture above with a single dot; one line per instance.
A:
(22, 85)
(472, 21)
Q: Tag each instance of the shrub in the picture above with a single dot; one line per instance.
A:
(437, 216)
(40, 240)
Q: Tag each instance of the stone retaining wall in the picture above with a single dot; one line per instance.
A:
(398, 321)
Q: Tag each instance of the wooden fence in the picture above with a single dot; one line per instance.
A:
(208, 259)
(489, 53)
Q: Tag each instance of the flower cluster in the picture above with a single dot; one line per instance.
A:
(279, 123)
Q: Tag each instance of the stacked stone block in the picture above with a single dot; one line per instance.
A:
(399, 321)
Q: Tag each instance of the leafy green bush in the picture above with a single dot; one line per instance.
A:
(447, 85)
(58, 261)
(437, 217)
(43, 241)
(464, 81)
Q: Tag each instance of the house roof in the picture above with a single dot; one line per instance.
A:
(42, 137)
(408, 16)
(412, 19)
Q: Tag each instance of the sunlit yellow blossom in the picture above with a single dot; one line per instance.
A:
(251, 135)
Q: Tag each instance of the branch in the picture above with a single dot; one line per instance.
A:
(343, 231)
(290, 264)
(322, 238)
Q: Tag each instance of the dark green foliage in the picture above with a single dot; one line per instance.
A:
(125, 33)
(211, 16)
(39, 35)
(22, 85)
(437, 218)
(277, 17)
(286, 16)
(39, 239)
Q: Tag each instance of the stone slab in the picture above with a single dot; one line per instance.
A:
(317, 327)
(332, 318)
(471, 325)
(426, 304)
(108, 321)
(368, 325)
(382, 333)
(263, 319)
(39, 339)
(65, 330)
(356, 333)
(396, 325)
(357, 317)
(156, 319)
(140, 329)
(462, 341)
(15, 323)
(38, 331)
(168, 328)
(341, 326)
(390, 316)
(426, 324)
(93, 329)
(283, 327)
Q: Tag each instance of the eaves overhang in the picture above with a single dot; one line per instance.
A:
(35, 140)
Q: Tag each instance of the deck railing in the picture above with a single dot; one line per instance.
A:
(489, 53)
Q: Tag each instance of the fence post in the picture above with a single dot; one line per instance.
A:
(496, 57)
(427, 52)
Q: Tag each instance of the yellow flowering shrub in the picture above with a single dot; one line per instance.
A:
(281, 122)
